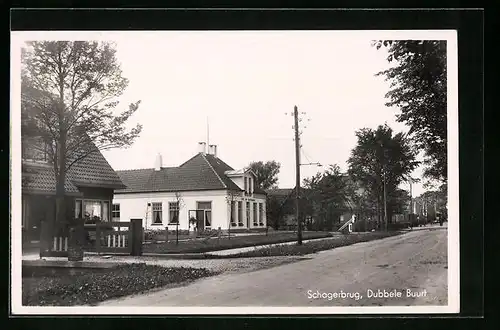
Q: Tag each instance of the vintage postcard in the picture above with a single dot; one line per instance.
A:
(234, 172)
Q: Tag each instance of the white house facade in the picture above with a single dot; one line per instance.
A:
(203, 192)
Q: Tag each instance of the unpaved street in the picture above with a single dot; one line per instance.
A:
(347, 276)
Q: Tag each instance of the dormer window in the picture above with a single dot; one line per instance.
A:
(250, 186)
(35, 150)
(246, 185)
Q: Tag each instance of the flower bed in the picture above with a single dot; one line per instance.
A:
(90, 286)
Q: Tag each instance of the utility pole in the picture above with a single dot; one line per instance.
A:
(297, 175)
(385, 201)
(411, 198)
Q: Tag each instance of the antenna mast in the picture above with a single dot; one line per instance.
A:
(208, 134)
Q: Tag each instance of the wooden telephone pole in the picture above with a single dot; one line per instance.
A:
(297, 174)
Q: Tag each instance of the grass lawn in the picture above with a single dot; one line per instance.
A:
(207, 245)
(41, 287)
(313, 246)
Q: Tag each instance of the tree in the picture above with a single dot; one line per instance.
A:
(380, 162)
(266, 173)
(418, 88)
(69, 91)
(329, 193)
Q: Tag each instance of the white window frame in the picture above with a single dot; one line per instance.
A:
(153, 204)
(170, 210)
(240, 214)
(261, 214)
(233, 213)
(248, 213)
(255, 214)
(83, 202)
(113, 212)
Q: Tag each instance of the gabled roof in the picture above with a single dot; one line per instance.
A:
(201, 172)
(92, 171)
(40, 179)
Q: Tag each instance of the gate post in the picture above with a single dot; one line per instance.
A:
(136, 229)
(76, 241)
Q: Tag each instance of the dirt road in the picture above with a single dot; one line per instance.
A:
(410, 269)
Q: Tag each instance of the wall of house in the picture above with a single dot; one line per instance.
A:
(135, 206)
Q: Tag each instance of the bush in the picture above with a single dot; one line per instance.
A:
(153, 234)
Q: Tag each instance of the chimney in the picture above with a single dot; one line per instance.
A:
(158, 162)
(214, 150)
(202, 147)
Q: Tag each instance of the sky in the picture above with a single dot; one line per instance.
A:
(245, 86)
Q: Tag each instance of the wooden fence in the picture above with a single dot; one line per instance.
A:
(105, 237)
(113, 240)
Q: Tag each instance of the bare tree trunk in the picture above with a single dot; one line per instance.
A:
(60, 190)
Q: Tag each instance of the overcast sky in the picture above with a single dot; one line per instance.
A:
(244, 83)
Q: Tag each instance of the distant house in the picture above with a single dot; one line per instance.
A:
(323, 217)
(89, 187)
(282, 213)
(201, 192)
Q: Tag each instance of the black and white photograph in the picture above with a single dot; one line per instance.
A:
(234, 172)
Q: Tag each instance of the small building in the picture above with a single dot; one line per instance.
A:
(203, 192)
(89, 188)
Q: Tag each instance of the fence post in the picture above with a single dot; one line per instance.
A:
(45, 238)
(177, 233)
(136, 226)
(166, 234)
(76, 242)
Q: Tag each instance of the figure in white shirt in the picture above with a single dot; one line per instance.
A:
(353, 219)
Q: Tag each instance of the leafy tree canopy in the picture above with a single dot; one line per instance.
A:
(418, 88)
(266, 173)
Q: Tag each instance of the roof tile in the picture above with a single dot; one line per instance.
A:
(201, 172)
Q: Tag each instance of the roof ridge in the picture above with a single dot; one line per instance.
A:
(190, 159)
(135, 169)
(213, 170)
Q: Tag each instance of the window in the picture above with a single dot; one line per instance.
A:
(92, 209)
(246, 185)
(255, 220)
(157, 213)
(248, 214)
(115, 213)
(240, 213)
(173, 208)
(105, 211)
(207, 208)
(233, 213)
(261, 213)
(35, 149)
(250, 182)
(78, 209)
